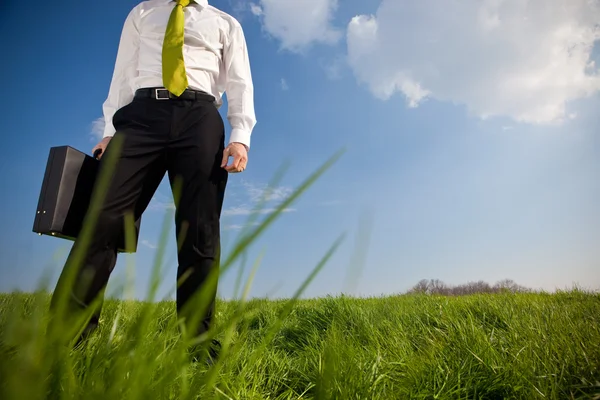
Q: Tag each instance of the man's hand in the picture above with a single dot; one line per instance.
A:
(101, 146)
(239, 152)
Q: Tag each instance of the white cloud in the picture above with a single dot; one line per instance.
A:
(298, 24)
(251, 196)
(255, 9)
(255, 194)
(161, 202)
(97, 129)
(266, 193)
(284, 85)
(522, 59)
(247, 210)
(238, 227)
(149, 245)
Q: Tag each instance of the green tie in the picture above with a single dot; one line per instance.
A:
(174, 76)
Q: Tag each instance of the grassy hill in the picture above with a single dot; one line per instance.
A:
(469, 342)
(414, 346)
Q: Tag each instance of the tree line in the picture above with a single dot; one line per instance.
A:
(437, 287)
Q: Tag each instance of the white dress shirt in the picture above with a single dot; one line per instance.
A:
(215, 56)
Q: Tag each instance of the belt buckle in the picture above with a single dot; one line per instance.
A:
(157, 96)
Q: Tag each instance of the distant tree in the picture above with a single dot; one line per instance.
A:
(437, 287)
(420, 287)
(510, 286)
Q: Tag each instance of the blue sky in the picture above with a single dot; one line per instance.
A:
(472, 141)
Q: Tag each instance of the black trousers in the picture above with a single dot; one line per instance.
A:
(184, 138)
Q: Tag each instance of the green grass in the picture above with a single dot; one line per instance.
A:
(417, 346)
(500, 346)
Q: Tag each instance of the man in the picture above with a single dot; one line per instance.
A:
(174, 62)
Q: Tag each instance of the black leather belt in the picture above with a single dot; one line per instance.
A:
(164, 94)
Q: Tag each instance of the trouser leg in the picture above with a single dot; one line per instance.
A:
(194, 161)
(139, 169)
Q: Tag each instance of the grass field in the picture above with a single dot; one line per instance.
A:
(415, 346)
(499, 346)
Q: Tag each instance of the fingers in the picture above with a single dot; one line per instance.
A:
(239, 161)
(97, 151)
(235, 164)
(225, 157)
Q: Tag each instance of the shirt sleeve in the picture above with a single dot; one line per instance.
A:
(239, 88)
(120, 92)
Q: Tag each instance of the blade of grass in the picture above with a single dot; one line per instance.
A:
(253, 234)
(67, 278)
(358, 258)
(212, 373)
(289, 304)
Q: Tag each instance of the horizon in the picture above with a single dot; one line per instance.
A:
(452, 291)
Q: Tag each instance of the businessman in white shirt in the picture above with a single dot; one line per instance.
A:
(175, 61)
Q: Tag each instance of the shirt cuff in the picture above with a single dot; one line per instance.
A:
(109, 131)
(240, 136)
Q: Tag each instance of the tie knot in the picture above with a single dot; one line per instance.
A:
(183, 3)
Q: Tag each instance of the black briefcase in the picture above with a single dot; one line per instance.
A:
(66, 194)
